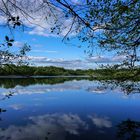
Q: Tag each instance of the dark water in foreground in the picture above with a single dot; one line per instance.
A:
(57, 109)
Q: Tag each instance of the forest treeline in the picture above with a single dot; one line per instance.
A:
(99, 74)
(25, 70)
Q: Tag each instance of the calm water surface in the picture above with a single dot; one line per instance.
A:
(57, 109)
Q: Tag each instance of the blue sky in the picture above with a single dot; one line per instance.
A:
(48, 49)
(51, 50)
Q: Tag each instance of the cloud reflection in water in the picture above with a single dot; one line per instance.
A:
(101, 122)
(52, 126)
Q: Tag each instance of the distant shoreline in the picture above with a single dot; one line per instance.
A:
(58, 76)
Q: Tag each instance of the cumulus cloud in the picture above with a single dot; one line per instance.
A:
(51, 126)
(105, 59)
(40, 31)
(101, 122)
(86, 63)
(40, 18)
(69, 64)
(74, 63)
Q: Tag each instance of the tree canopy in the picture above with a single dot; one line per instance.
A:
(112, 25)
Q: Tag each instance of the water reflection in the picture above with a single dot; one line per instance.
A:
(127, 87)
(101, 122)
(55, 126)
(2, 111)
(89, 86)
(70, 126)
(4, 97)
(129, 130)
(11, 83)
(68, 110)
(49, 126)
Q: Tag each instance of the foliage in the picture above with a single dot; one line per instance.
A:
(25, 70)
(7, 56)
(112, 25)
(99, 74)
(129, 130)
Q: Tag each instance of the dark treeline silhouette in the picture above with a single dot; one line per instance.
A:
(25, 70)
(122, 74)
(129, 130)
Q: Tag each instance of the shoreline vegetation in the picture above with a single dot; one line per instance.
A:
(13, 71)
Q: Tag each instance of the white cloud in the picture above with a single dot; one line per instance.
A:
(39, 31)
(119, 58)
(43, 51)
(87, 63)
(40, 18)
(70, 64)
(74, 63)
(105, 59)
(2, 20)
(101, 122)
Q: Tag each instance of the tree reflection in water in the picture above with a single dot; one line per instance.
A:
(126, 130)
(7, 96)
(1, 111)
(129, 130)
(13, 82)
(127, 87)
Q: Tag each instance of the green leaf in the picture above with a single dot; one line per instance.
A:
(17, 17)
(11, 40)
(7, 38)
(9, 44)
(13, 18)
(18, 23)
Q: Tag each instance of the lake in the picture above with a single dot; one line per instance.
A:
(69, 109)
